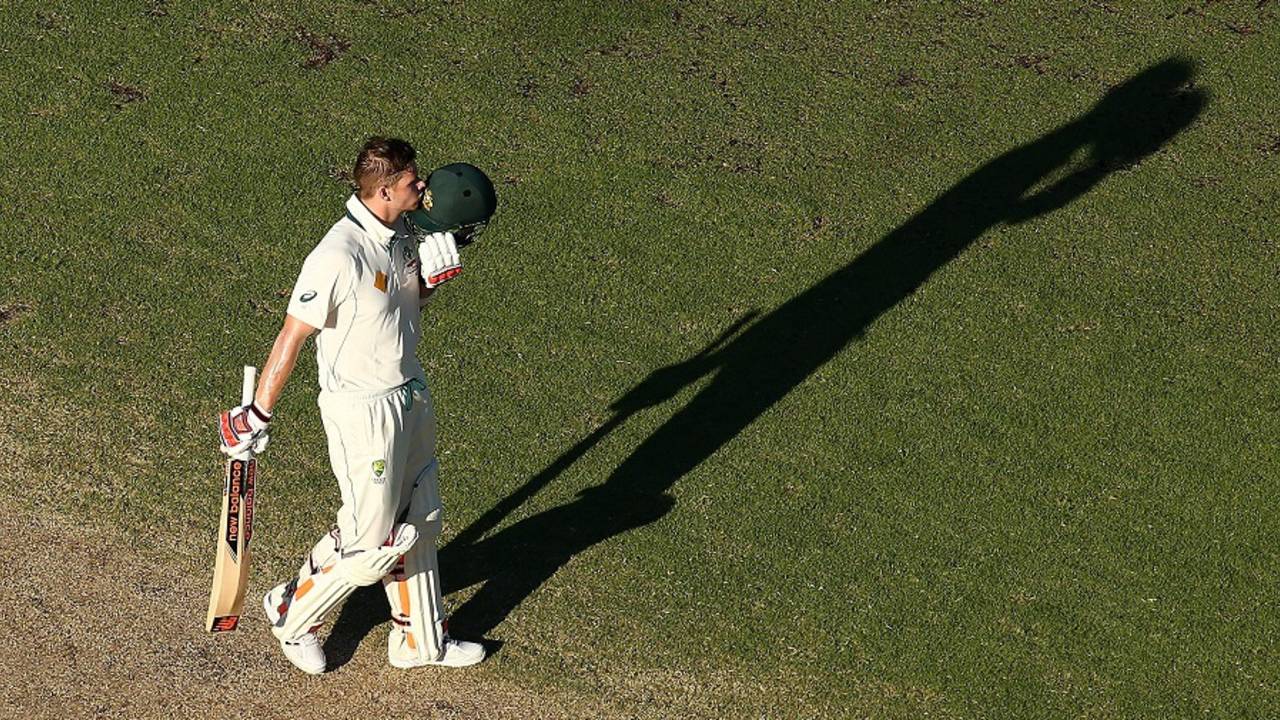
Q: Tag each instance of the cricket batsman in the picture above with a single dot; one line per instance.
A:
(362, 290)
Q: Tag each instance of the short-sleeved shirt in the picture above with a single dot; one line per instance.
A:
(359, 286)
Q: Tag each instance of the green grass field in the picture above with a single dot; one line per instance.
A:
(996, 436)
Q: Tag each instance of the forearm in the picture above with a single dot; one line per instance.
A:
(280, 363)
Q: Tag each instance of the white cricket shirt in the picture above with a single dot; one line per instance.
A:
(359, 286)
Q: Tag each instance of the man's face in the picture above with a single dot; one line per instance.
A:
(406, 193)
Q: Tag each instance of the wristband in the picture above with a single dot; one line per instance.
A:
(258, 412)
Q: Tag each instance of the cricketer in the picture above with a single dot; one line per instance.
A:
(361, 291)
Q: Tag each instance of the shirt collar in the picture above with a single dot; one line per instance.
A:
(368, 222)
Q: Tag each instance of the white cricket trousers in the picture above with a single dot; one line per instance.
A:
(379, 445)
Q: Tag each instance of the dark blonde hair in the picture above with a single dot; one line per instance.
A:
(381, 162)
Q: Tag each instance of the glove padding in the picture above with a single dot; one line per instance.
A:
(244, 427)
(440, 261)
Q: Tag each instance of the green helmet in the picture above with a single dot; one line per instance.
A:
(459, 198)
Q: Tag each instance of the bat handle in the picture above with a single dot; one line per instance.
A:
(246, 392)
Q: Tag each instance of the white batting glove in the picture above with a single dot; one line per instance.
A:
(244, 427)
(440, 261)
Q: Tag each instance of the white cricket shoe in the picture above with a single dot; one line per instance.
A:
(305, 653)
(457, 653)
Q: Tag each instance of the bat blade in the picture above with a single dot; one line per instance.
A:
(235, 530)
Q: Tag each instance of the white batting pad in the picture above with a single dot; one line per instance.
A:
(305, 600)
(413, 587)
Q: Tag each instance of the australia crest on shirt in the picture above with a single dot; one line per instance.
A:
(410, 257)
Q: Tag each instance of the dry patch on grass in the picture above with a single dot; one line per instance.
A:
(11, 312)
(124, 93)
(101, 630)
(324, 48)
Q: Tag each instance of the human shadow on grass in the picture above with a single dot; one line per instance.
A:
(757, 366)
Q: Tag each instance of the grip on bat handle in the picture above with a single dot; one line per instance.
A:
(246, 392)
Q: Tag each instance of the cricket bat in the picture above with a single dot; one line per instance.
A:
(235, 530)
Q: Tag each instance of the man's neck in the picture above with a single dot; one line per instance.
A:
(383, 211)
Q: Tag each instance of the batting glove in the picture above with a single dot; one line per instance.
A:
(440, 261)
(244, 427)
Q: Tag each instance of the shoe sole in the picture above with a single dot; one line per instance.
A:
(408, 664)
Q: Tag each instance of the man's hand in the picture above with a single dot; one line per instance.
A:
(244, 427)
(440, 261)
